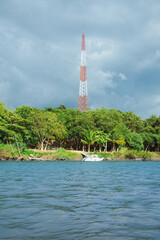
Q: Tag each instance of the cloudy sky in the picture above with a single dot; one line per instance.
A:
(40, 44)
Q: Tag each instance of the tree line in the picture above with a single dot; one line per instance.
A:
(100, 129)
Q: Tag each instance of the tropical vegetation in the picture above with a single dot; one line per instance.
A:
(95, 130)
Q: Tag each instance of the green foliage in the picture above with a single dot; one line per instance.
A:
(27, 152)
(10, 125)
(133, 139)
(61, 153)
(117, 155)
(89, 138)
(136, 141)
(105, 120)
(145, 155)
(102, 137)
(99, 129)
(133, 122)
(133, 154)
(125, 153)
(43, 126)
(130, 154)
(123, 150)
(10, 151)
(117, 137)
(103, 155)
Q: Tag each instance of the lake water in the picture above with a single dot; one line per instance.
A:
(80, 200)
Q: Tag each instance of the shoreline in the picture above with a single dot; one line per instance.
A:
(30, 159)
(73, 155)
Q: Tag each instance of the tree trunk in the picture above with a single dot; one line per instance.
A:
(46, 145)
(83, 147)
(105, 147)
(77, 145)
(88, 147)
(100, 148)
(147, 147)
(113, 146)
(42, 145)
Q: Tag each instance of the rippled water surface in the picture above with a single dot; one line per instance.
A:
(80, 200)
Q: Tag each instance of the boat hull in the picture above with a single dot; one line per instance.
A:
(87, 159)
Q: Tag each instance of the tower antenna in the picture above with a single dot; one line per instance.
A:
(83, 91)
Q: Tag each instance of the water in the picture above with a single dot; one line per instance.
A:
(80, 200)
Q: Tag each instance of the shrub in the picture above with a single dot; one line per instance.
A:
(117, 155)
(145, 155)
(61, 153)
(28, 152)
(8, 150)
(102, 154)
(123, 150)
(130, 154)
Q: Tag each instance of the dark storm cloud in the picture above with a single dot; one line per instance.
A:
(40, 53)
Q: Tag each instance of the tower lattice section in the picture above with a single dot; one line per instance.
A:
(83, 91)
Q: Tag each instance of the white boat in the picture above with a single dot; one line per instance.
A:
(92, 158)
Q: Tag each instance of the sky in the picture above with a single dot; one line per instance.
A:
(40, 53)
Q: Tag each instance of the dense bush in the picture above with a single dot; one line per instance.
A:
(145, 155)
(130, 154)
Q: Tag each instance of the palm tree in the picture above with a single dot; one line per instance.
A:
(89, 139)
(102, 139)
(117, 137)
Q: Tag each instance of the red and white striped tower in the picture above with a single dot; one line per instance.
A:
(83, 91)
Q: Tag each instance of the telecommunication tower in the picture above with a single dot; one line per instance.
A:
(83, 91)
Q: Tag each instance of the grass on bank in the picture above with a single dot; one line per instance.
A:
(125, 153)
(60, 153)
(8, 151)
(11, 152)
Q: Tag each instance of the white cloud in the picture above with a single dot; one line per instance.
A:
(122, 76)
(108, 78)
